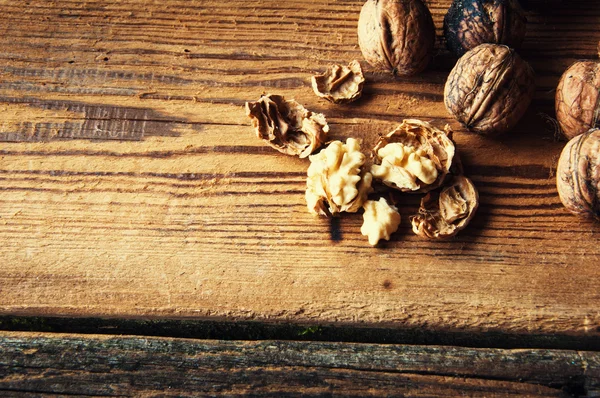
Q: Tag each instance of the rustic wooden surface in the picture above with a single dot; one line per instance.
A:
(136, 366)
(132, 185)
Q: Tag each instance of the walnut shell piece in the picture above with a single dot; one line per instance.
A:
(470, 23)
(380, 220)
(286, 125)
(578, 98)
(335, 180)
(340, 84)
(489, 89)
(415, 157)
(396, 35)
(443, 214)
(578, 174)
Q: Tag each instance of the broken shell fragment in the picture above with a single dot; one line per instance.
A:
(380, 220)
(443, 214)
(415, 157)
(286, 125)
(335, 180)
(340, 84)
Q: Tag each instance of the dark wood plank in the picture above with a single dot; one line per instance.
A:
(117, 366)
(132, 185)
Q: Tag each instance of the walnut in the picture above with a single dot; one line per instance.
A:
(286, 125)
(442, 214)
(380, 220)
(578, 174)
(489, 89)
(578, 98)
(396, 35)
(335, 177)
(470, 23)
(340, 84)
(415, 157)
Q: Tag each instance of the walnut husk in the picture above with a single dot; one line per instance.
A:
(340, 84)
(578, 98)
(444, 213)
(470, 23)
(489, 89)
(578, 174)
(436, 143)
(396, 35)
(286, 125)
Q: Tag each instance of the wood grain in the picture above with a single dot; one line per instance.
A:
(134, 366)
(132, 185)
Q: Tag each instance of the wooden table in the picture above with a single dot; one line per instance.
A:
(135, 199)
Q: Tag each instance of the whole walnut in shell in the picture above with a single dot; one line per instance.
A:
(415, 157)
(578, 98)
(286, 125)
(578, 174)
(470, 23)
(396, 35)
(489, 89)
(442, 214)
(340, 84)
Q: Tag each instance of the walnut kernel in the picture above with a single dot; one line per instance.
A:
(335, 178)
(396, 35)
(489, 89)
(340, 84)
(578, 98)
(286, 125)
(578, 174)
(415, 157)
(442, 214)
(380, 220)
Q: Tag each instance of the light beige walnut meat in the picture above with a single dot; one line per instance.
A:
(340, 84)
(286, 125)
(443, 214)
(380, 220)
(335, 181)
(415, 157)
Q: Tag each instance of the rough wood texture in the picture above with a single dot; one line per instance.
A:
(132, 185)
(133, 366)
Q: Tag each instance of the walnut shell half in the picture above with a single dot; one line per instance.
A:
(578, 98)
(489, 89)
(470, 23)
(443, 214)
(286, 125)
(340, 84)
(396, 35)
(578, 174)
(415, 157)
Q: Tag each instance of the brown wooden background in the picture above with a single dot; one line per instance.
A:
(131, 184)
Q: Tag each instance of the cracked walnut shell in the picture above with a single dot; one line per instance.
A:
(489, 89)
(578, 174)
(286, 125)
(415, 157)
(340, 84)
(396, 35)
(578, 98)
(380, 220)
(335, 178)
(443, 214)
(470, 23)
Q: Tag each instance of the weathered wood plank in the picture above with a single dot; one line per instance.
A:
(115, 366)
(132, 184)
